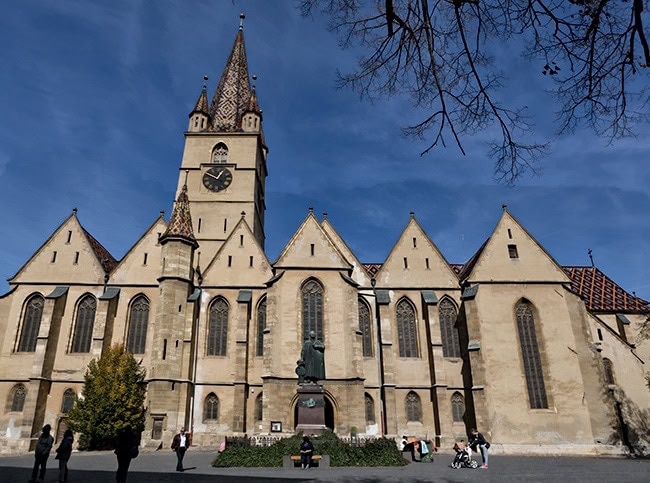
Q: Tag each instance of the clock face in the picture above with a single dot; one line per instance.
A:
(217, 179)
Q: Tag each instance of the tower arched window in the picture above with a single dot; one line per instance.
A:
(31, 323)
(365, 327)
(406, 330)
(138, 323)
(83, 327)
(211, 408)
(312, 309)
(413, 407)
(68, 400)
(457, 407)
(531, 356)
(448, 329)
(609, 371)
(220, 153)
(259, 407)
(218, 328)
(261, 325)
(16, 399)
(369, 403)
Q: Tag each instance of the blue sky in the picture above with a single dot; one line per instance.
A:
(96, 97)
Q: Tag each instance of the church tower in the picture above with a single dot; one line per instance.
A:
(225, 158)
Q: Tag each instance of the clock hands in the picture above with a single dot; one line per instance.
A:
(213, 176)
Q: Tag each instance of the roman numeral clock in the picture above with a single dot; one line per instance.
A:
(217, 179)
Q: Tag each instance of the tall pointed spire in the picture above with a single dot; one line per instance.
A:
(180, 222)
(233, 92)
(201, 106)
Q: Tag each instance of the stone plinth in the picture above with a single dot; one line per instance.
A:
(311, 409)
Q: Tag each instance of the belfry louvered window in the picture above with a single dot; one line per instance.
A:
(16, 400)
(218, 328)
(261, 325)
(365, 328)
(83, 327)
(406, 331)
(413, 407)
(220, 153)
(31, 324)
(312, 309)
(457, 407)
(370, 409)
(138, 323)
(211, 409)
(531, 356)
(448, 329)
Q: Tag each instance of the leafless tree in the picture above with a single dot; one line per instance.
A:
(437, 52)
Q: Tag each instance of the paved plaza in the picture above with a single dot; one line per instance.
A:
(99, 467)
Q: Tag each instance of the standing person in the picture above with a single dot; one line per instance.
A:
(126, 448)
(180, 443)
(306, 452)
(63, 453)
(42, 452)
(477, 439)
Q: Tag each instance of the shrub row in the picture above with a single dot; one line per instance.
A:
(241, 453)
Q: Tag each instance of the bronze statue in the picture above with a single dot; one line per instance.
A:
(312, 361)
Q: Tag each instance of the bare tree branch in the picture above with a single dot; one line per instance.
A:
(436, 53)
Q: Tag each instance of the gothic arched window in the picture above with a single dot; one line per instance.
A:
(531, 357)
(448, 329)
(211, 409)
(83, 327)
(406, 332)
(370, 409)
(31, 324)
(259, 407)
(312, 309)
(16, 399)
(138, 323)
(457, 407)
(609, 371)
(220, 153)
(261, 325)
(365, 328)
(218, 328)
(413, 407)
(67, 403)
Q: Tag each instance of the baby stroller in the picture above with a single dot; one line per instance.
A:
(463, 458)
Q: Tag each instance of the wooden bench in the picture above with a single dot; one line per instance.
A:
(317, 461)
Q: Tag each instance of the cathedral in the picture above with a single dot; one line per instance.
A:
(541, 358)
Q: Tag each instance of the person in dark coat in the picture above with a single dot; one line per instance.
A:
(180, 443)
(42, 452)
(63, 453)
(477, 439)
(126, 448)
(306, 452)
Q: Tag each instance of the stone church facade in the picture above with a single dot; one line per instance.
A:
(542, 358)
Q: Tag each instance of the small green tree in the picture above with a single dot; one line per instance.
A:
(112, 398)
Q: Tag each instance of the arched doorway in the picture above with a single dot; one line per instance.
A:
(329, 414)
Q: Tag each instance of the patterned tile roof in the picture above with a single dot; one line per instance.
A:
(253, 105)
(103, 256)
(599, 292)
(201, 103)
(180, 222)
(233, 92)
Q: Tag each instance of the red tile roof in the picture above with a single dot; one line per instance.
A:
(105, 258)
(599, 292)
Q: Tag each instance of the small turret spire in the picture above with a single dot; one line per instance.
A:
(180, 222)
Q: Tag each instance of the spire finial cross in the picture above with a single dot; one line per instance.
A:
(241, 21)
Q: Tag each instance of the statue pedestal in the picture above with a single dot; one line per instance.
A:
(311, 409)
